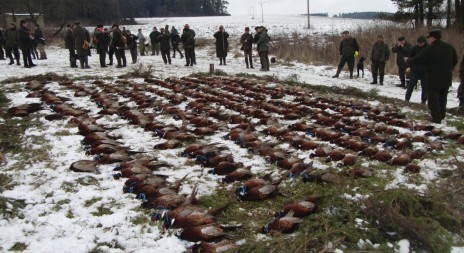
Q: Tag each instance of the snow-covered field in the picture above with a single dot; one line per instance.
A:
(61, 205)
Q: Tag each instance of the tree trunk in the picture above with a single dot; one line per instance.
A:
(457, 13)
(448, 14)
(421, 13)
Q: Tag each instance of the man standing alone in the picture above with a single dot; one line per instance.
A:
(222, 44)
(439, 59)
(379, 55)
(402, 49)
(348, 50)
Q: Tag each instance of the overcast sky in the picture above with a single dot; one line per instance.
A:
(241, 7)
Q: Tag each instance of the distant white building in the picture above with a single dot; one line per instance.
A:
(6, 18)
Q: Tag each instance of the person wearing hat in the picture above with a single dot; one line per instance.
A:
(379, 56)
(417, 73)
(349, 49)
(69, 44)
(165, 48)
(247, 45)
(26, 44)
(175, 40)
(402, 49)
(12, 44)
(222, 44)
(101, 42)
(439, 59)
(119, 43)
(188, 42)
(81, 44)
(263, 48)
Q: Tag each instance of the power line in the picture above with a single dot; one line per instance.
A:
(262, 12)
(309, 24)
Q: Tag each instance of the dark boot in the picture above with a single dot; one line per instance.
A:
(220, 60)
(374, 81)
(381, 80)
(17, 62)
(81, 62)
(339, 70)
(351, 74)
(224, 59)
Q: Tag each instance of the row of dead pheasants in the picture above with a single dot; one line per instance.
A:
(336, 133)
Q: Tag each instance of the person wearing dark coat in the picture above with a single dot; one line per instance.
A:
(132, 45)
(439, 59)
(379, 56)
(163, 39)
(417, 73)
(175, 40)
(39, 42)
(461, 86)
(119, 43)
(349, 49)
(69, 41)
(26, 44)
(155, 47)
(12, 44)
(102, 41)
(188, 42)
(402, 50)
(247, 45)
(222, 44)
(82, 44)
(263, 48)
(2, 44)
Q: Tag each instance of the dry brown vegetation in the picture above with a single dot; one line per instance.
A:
(324, 49)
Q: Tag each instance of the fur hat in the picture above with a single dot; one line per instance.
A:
(401, 38)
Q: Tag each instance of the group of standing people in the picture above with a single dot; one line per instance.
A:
(261, 39)
(25, 39)
(113, 42)
(431, 61)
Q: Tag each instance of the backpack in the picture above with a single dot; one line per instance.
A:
(123, 41)
(95, 40)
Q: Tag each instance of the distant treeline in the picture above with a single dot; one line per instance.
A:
(317, 14)
(107, 11)
(365, 15)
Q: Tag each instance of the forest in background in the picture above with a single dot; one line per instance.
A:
(58, 12)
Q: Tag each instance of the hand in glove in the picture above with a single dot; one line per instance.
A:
(356, 53)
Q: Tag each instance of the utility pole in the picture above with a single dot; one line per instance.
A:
(309, 24)
(262, 12)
